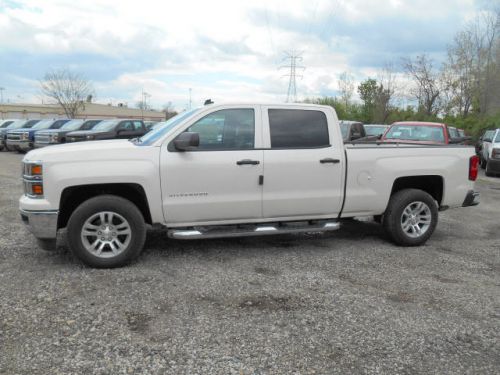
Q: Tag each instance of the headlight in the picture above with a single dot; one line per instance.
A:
(495, 153)
(33, 179)
(54, 138)
(25, 136)
(90, 137)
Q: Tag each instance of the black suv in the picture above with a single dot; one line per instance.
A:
(110, 129)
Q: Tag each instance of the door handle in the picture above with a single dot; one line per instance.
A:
(247, 162)
(329, 160)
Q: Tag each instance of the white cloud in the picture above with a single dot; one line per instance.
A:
(223, 49)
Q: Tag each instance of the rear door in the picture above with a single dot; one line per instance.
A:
(139, 129)
(487, 140)
(303, 170)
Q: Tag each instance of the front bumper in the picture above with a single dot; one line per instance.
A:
(23, 145)
(471, 199)
(42, 224)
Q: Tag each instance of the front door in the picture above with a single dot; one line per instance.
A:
(219, 180)
(303, 174)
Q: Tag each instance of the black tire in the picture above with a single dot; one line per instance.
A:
(394, 214)
(488, 173)
(483, 163)
(7, 148)
(116, 205)
(47, 244)
(1, 148)
(378, 219)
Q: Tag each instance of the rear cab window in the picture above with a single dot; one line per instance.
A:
(298, 128)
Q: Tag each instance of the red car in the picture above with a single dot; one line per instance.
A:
(419, 132)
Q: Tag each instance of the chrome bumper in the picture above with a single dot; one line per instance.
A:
(23, 145)
(43, 224)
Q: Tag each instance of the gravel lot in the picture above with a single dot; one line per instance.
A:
(344, 302)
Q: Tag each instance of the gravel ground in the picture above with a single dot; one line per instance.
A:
(347, 302)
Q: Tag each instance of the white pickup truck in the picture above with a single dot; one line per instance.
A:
(237, 170)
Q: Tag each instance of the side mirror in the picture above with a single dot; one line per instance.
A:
(187, 140)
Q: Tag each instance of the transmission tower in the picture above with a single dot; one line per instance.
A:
(292, 57)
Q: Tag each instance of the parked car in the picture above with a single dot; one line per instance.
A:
(3, 125)
(490, 152)
(352, 130)
(376, 130)
(420, 133)
(24, 139)
(237, 170)
(55, 136)
(16, 124)
(109, 129)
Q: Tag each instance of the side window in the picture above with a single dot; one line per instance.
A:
(126, 125)
(137, 125)
(295, 128)
(227, 129)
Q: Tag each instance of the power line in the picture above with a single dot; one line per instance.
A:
(292, 57)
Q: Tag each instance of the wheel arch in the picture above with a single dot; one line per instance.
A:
(73, 196)
(431, 184)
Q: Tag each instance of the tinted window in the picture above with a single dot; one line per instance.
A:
(6, 123)
(228, 129)
(137, 125)
(294, 128)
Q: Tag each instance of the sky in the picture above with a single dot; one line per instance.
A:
(223, 50)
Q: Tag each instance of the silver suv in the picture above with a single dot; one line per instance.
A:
(490, 152)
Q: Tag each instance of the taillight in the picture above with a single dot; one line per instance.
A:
(473, 167)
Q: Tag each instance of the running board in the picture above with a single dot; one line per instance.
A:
(249, 230)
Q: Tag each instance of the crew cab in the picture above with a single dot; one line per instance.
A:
(110, 129)
(23, 139)
(56, 136)
(237, 170)
(420, 133)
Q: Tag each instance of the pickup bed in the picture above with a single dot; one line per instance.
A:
(237, 170)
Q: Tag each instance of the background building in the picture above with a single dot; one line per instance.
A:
(92, 110)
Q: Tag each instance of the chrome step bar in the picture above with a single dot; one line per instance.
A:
(249, 230)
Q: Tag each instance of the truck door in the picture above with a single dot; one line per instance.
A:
(303, 164)
(220, 179)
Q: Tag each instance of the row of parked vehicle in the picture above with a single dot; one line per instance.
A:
(404, 131)
(24, 135)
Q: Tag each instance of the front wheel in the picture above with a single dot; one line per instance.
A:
(483, 163)
(106, 231)
(411, 217)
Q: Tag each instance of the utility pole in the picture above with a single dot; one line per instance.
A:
(1, 94)
(144, 104)
(292, 57)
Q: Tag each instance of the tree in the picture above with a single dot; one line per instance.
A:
(169, 111)
(427, 84)
(68, 89)
(346, 88)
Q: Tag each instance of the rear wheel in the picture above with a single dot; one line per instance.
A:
(106, 231)
(411, 217)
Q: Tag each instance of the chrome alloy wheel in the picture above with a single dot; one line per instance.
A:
(106, 234)
(416, 219)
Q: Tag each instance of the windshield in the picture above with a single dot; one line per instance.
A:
(6, 123)
(497, 138)
(44, 124)
(164, 127)
(106, 125)
(87, 125)
(453, 132)
(72, 125)
(375, 130)
(344, 128)
(416, 133)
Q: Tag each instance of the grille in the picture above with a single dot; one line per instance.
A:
(42, 138)
(14, 137)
